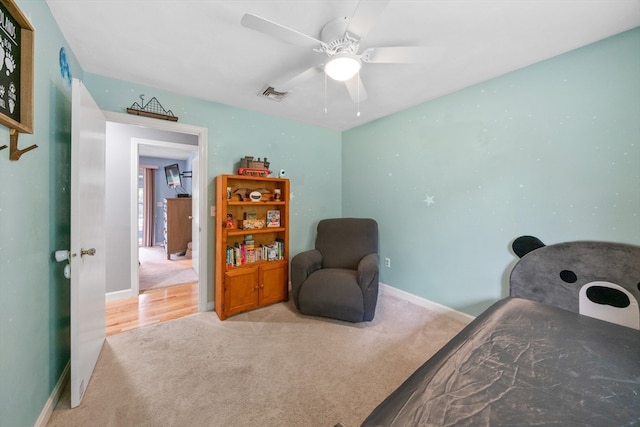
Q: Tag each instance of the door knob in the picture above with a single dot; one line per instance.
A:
(90, 252)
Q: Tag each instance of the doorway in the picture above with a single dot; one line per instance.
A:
(166, 195)
(128, 132)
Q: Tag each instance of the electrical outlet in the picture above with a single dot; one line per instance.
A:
(387, 262)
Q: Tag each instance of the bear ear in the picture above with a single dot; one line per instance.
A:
(525, 244)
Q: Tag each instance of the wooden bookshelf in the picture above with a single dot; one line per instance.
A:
(245, 280)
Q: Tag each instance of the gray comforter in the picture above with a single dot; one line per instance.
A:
(524, 363)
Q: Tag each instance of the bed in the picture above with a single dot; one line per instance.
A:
(526, 362)
(569, 370)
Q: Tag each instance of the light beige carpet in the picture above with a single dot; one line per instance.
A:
(269, 367)
(158, 272)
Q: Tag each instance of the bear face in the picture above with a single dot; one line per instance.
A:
(598, 279)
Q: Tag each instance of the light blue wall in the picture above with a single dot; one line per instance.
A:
(34, 222)
(552, 150)
(311, 156)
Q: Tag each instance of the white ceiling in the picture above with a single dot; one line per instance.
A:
(174, 151)
(198, 48)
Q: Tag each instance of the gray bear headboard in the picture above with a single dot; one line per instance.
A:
(598, 279)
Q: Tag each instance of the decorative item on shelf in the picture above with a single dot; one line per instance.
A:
(152, 109)
(255, 196)
(265, 195)
(277, 195)
(230, 223)
(273, 218)
(251, 224)
(241, 194)
(251, 167)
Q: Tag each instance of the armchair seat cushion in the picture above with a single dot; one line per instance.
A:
(333, 292)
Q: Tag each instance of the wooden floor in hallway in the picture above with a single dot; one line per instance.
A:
(152, 306)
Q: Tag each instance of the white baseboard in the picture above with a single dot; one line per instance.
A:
(117, 295)
(52, 401)
(458, 315)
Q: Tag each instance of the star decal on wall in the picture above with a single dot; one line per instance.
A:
(429, 200)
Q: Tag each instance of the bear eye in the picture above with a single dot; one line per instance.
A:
(568, 276)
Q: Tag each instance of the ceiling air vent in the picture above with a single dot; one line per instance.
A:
(270, 93)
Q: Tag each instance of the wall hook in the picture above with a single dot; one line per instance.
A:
(14, 152)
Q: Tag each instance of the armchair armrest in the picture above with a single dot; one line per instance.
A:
(368, 271)
(302, 265)
(368, 280)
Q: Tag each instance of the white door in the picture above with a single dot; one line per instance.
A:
(88, 127)
(195, 214)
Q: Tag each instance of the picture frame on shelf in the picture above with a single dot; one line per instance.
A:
(273, 218)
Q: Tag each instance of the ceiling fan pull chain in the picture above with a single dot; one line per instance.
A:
(325, 93)
(358, 113)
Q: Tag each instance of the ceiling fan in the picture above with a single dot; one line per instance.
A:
(340, 40)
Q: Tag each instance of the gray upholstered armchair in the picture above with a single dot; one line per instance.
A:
(339, 278)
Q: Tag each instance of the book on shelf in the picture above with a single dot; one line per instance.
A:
(250, 249)
(247, 252)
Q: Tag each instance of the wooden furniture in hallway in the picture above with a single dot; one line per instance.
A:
(154, 306)
(177, 224)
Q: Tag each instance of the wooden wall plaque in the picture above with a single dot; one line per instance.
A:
(16, 68)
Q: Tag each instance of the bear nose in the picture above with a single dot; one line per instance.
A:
(607, 296)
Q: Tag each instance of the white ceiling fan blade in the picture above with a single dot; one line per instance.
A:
(356, 89)
(403, 55)
(296, 79)
(365, 16)
(279, 31)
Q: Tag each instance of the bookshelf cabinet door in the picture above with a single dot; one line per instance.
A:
(273, 283)
(240, 290)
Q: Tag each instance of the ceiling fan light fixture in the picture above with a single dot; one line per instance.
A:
(342, 67)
